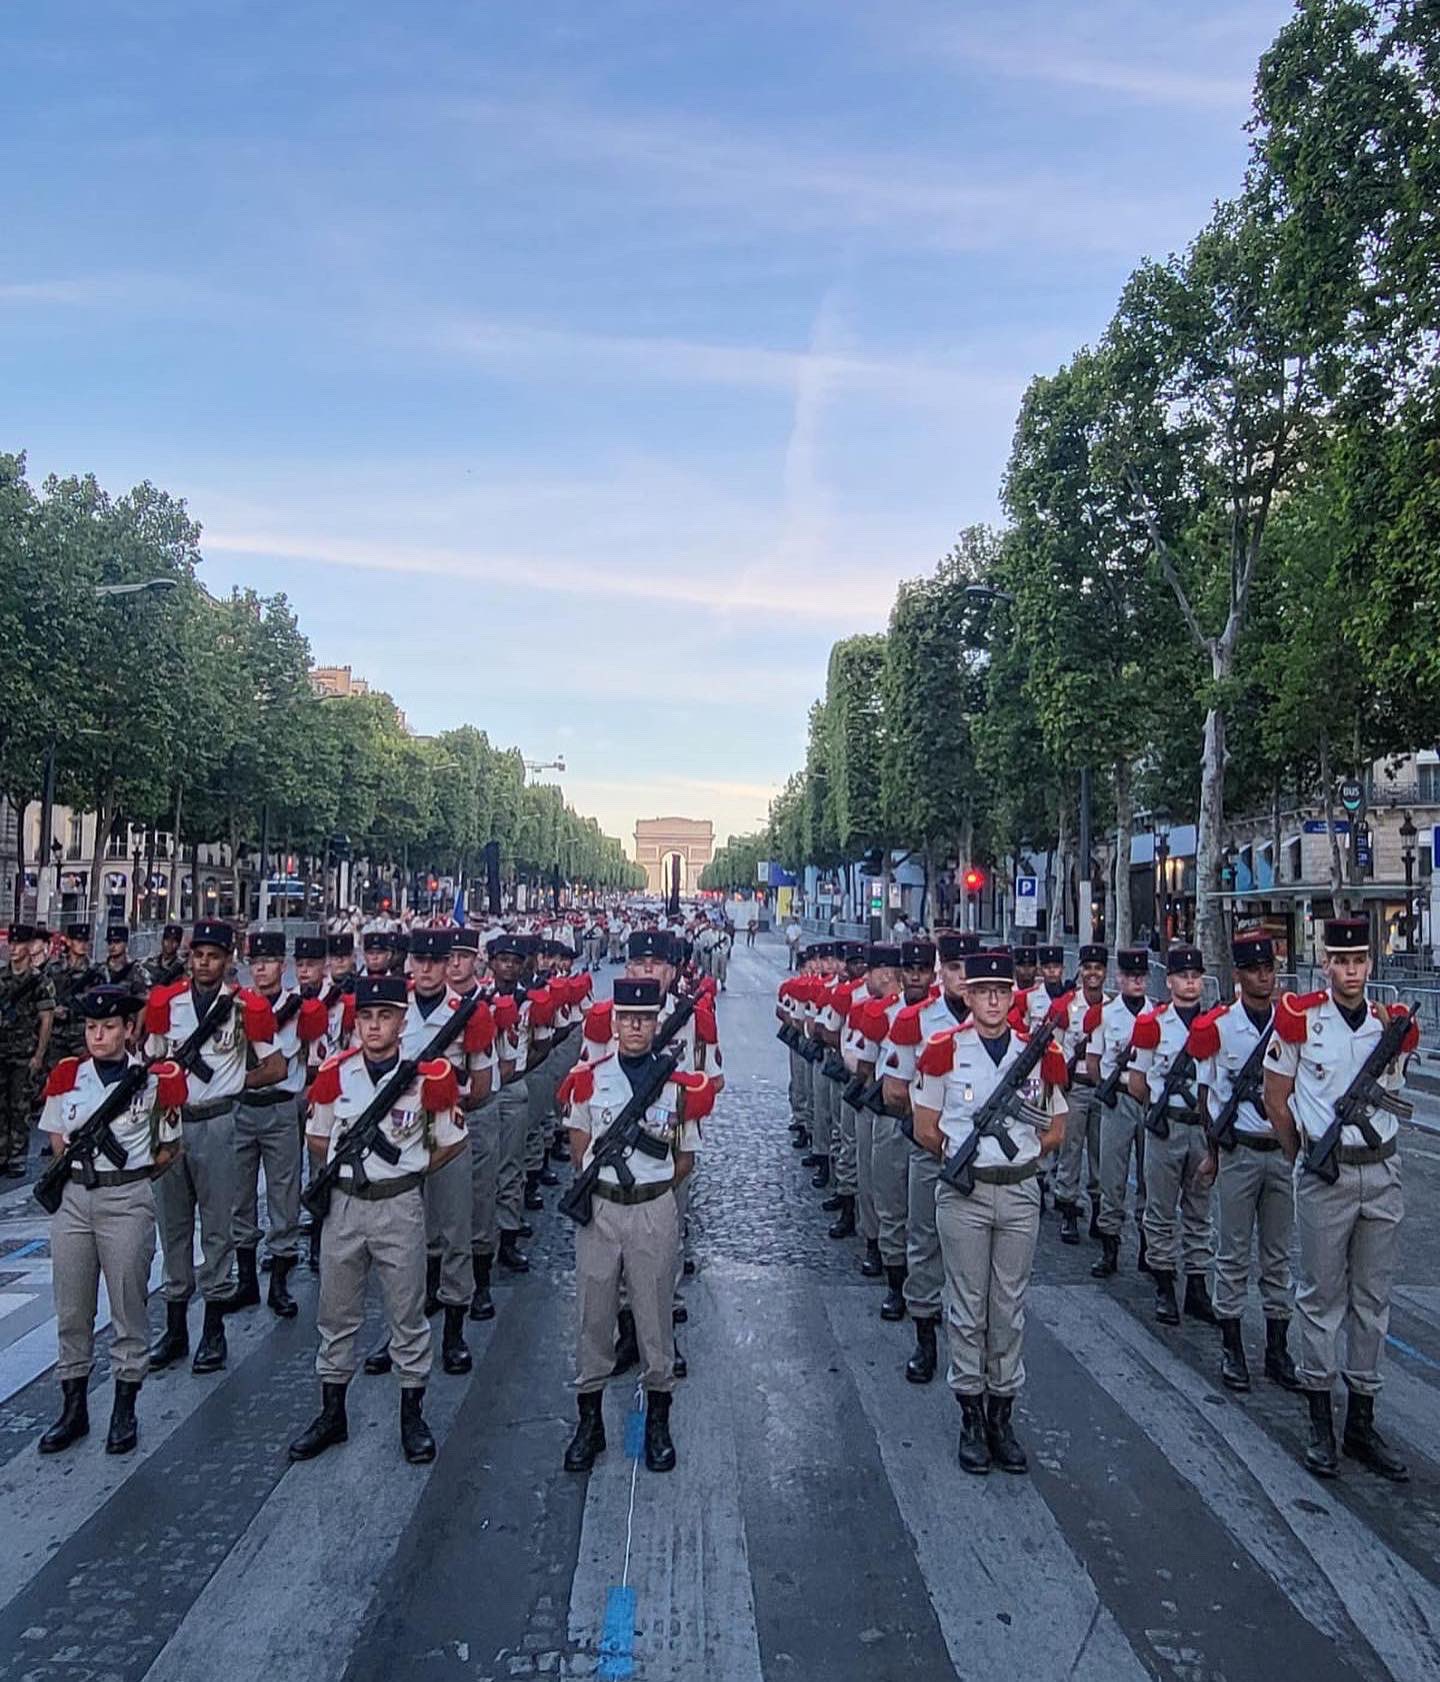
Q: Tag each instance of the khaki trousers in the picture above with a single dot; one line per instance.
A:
(924, 1266)
(824, 1103)
(109, 1230)
(268, 1135)
(1122, 1130)
(864, 1184)
(540, 1086)
(483, 1126)
(987, 1241)
(387, 1234)
(846, 1145)
(638, 1241)
(1348, 1237)
(514, 1112)
(720, 967)
(448, 1197)
(1177, 1205)
(1082, 1142)
(800, 1090)
(1254, 1190)
(890, 1187)
(201, 1179)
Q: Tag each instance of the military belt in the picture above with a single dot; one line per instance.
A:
(1013, 1174)
(1257, 1141)
(207, 1111)
(116, 1177)
(1188, 1118)
(635, 1194)
(1364, 1156)
(266, 1097)
(377, 1191)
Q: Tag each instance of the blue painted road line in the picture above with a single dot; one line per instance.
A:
(635, 1430)
(27, 1249)
(1414, 1353)
(617, 1639)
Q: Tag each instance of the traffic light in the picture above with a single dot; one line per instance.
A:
(974, 880)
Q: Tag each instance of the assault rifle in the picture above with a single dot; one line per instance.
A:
(1109, 1088)
(1364, 1094)
(625, 1134)
(1003, 1105)
(95, 1137)
(1248, 1087)
(365, 1133)
(1177, 1079)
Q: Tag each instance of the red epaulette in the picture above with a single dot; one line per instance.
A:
(62, 1078)
(325, 1088)
(578, 1087)
(173, 1085)
(699, 1099)
(507, 1013)
(905, 1029)
(259, 1018)
(439, 1089)
(479, 1034)
(706, 1030)
(157, 1006)
(311, 1021)
(1145, 1035)
(1203, 1039)
(1091, 1020)
(1290, 1023)
(1054, 1070)
(938, 1057)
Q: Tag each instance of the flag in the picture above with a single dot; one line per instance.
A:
(458, 910)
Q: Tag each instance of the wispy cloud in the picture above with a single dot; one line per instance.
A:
(1147, 81)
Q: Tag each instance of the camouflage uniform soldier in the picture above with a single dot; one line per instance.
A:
(71, 976)
(27, 1011)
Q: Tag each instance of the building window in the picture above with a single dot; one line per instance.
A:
(75, 838)
(1429, 778)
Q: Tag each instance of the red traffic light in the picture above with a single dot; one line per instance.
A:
(434, 884)
(974, 880)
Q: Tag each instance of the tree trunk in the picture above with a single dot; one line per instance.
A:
(149, 869)
(1275, 834)
(1057, 915)
(172, 898)
(1210, 909)
(104, 816)
(884, 892)
(1122, 926)
(1338, 899)
(21, 809)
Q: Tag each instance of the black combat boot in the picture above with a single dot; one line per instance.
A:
(821, 1177)
(548, 1176)
(589, 1438)
(920, 1368)
(679, 1314)
(1198, 1305)
(278, 1295)
(74, 1420)
(974, 1440)
(432, 1285)
(512, 1258)
(679, 1365)
(1095, 1216)
(124, 1433)
(627, 1345)
(813, 1160)
(1167, 1310)
(560, 1149)
(893, 1307)
(377, 1363)
(659, 1450)
(1069, 1222)
(1364, 1443)
(247, 1289)
(210, 1352)
(831, 1204)
(1234, 1372)
(454, 1353)
(799, 1137)
(417, 1440)
(327, 1428)
(1279, 1368)
(871, 1265)
(1320, 1455)
(313, 1259)
(1142, 1261)
(525, 1230)
(844, 1227)
(1005, 1449)
(533, 1199)
(1109, 1257)
(174, 1342)
(482, 1306)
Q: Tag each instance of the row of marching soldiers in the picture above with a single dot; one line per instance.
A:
(209, 1082)
(1266, 1117)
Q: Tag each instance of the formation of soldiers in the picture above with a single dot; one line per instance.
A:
(941, 1091)
(417, 1092)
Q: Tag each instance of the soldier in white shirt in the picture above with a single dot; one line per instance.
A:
(1254, 1191)
(107, 1227)
(1178, 1228)
(240, 1057)
(987, 1238)
(1122, 1130)
(377, 1219)
(634, 1232)
(1348, 1231)
(1082, 1124)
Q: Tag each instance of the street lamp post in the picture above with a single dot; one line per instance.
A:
(1160, 829)
(1408, 833)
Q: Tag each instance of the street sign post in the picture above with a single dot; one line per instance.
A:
(1352, 797)
(1027, 902)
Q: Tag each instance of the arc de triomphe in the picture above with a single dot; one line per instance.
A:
(658, 840)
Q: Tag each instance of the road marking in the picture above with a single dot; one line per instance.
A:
(1011, 1620)
(1393, 1607)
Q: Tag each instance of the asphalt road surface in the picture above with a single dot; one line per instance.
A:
(817, 1529)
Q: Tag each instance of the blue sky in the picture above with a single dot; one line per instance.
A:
(583, 371)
